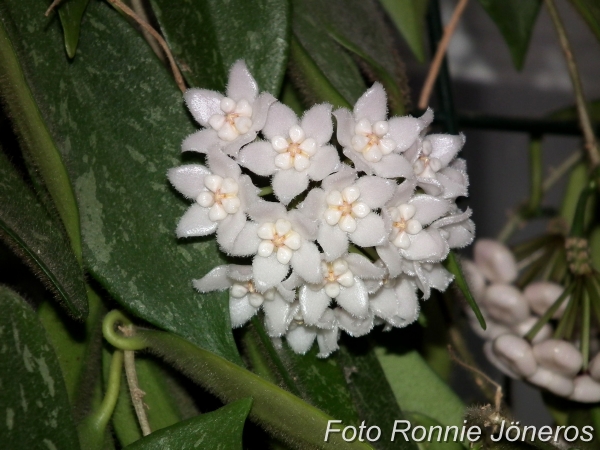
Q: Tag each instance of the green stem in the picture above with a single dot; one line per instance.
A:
(585, 329)
(549, 313)
(567, 321)
(265, 191)
(578, 228)
(591, 144)
(111, 322)
(535, 171)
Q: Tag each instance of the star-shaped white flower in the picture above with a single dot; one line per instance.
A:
(345, 208)
(436, 167)
(245, 300)
(373, 142)
(296, 151)
(221, 193)
(230, 121)
(278, 239)
(343, 282)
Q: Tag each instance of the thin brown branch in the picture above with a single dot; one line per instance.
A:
(176, 73)
(434, 69)
(52, 7)
(591, 145)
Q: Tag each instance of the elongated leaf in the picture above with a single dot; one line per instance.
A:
(590, 11)
(35, 407)
(359, 26)
(71, 13)
(221, 429)
(515, 19)
(372, 393)
(281, 413)
(38, 238)
(121, 133)
(417, 388)
(333, 63)
(409, 18)
(207, 37)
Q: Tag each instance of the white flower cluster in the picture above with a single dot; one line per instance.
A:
(552, 364)
(345, 247)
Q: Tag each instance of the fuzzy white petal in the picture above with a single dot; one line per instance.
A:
(404, 131)
(323, 163)
(259, 157)
(301, 338)
(445, 146)
(370, 231)
(241, 84)
(355, 299)
(333, 241)
(317, 123)
(279, 121)
(188, 179)
(203, 103)
(229, 229)
(268, 272)
(428, 245)
(372, 104)
(392, 166)
(195, 222)
(429, 208)
(215, 280)
(287, 184)
(240, 311)
(306, 262)
(354, 326)
(375, 191)
(201, 141)
(313, 304)
(247, 241)
(277, 313)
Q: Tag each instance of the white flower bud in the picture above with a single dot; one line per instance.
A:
(542, 294)
(586, 390)
(559, 356)
(524, 327)
(505, 304)
(495, 261)
(516, 353)
(552, 381)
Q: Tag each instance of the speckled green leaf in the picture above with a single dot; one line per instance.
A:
(38, 238)
(34, 406)
(208, 36)
(409, 18)
(118, 119)
(515, 19)
(71, 13)
(590, 11)
(218, 430)
(333, 62)
(417, 388)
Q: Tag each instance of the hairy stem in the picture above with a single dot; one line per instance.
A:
(137, 394)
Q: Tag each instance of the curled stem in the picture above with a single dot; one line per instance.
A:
(115, 320)
(591, 145)
(141, 22)
(436, 63)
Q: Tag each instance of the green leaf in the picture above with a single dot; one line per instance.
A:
(578, 180)
(207, 37)
(359, 27)
(35, 406)
(220, 429)
(116, 115)
(426, 393)
(570, 113)
(372, 393)
(329, 60)
(515, 19)
(409, 18)
(453, 266)
(71, 13)
(590, 11)
(38, 238)
(281, 413)
(44, 159)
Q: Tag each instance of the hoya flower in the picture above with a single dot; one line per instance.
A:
(296, 151)
(300, 336)
(230, 121)
(406, 217)
(343, 282)
(278, 239)
(221, 194)
(373, 142)
(436, 167)
(345, 208)
(244, 299)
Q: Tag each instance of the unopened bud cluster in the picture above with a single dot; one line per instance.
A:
(342, 245)
(553, 364)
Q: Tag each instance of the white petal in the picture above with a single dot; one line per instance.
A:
(391, 257)
(314, 205)
(404, 131)
(215, 280)
(309, 146)
(188, 179)
(201, 141)
(317, 123)
(363, 267)
(260, 110)
(241, 84)
(259, 157)
(229, 229)
(279, 121)
(276, 315)
(203, 103)
(408, 304)
(301, 338)
(355, 327)
(333, 241)
(287, 184)
(293, 241)
(265, 249)
(247, 242)
(403, 193)
(452, 189)
(313, 304)
(345, 126)
(324, 162)
(328, 342)
(240, 311)
(306, 262)
(216, 213)
(372, 104)
(428, 245)
(268, 272)
(369, 231)
(429, 208)
(284, 254)
(393, 166)
(445, 146)
(347, 224)
(355, 299)
(301, 163)
(375, 191)
(195, 222)
(263, 211)
(284, 161)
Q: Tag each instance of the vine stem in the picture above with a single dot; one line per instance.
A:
(137, 394)
(127, 10)
(436, 63)
(591, 145)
